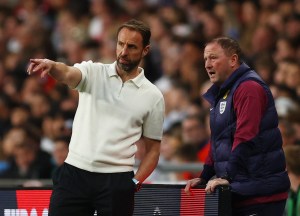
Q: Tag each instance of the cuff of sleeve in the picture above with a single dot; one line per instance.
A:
(226, 177)
(207, 173)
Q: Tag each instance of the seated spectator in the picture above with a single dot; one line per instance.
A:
(53, 127)
(5, 111)
(285, 49)
(288, 73)
(28, 162)
(292, 153)
(12, 137)
(60, 151)
(194, 133)
(186, 154)
(293, 118)
(171, 140)
(20, 115)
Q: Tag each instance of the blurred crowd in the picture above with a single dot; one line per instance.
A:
(36, 114)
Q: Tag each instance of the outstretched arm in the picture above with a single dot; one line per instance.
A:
(68, 75)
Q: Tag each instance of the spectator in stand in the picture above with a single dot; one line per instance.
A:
(204, 87)
(265, 67)
(177, 104)
(246, 145)
(6, 106)
(190, 67)
(170, 142)
(293, 76)
(293, 118)
(11, 138)
(263, 42)
(212, 25)
(249, 21)
(40, 106)
(292, 153)
(20, 115)
(60, 151)
(28, 161)
(186, 154)
(285, 49)
(287, 131)
(54, 126)
(292, 28)
(288, 74)
(194, 133)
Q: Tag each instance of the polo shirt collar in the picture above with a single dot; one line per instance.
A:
(138, 80)
(112, 70)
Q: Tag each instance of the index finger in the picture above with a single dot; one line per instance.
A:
(30, 67)
(187, 187)
(36, 60)
(33, 63)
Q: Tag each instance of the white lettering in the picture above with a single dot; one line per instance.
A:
(15, 212)
(45, 212)
(23, 212)
(33, 212)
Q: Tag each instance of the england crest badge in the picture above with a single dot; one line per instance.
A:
(222, 107)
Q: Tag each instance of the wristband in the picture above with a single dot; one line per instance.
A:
(137, 183)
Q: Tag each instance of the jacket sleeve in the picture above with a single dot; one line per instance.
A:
(250, 102)
(208, 168)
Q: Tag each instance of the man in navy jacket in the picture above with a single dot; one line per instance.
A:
(246, 144)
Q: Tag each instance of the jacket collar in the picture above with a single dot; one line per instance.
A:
(215, 91)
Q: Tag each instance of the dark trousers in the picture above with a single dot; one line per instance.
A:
(265, 209)
(77, 192)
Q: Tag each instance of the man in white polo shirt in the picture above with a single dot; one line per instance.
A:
(117, 107)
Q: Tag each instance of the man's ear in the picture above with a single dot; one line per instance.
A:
(234, 60)
(146, 50)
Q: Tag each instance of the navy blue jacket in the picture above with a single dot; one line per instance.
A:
(257, 167)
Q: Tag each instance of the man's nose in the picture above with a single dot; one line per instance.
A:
(207, 64)
(124, 50)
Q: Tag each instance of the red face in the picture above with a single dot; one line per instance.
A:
(218, 65)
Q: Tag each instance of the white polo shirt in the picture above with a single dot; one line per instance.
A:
(111, 116)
